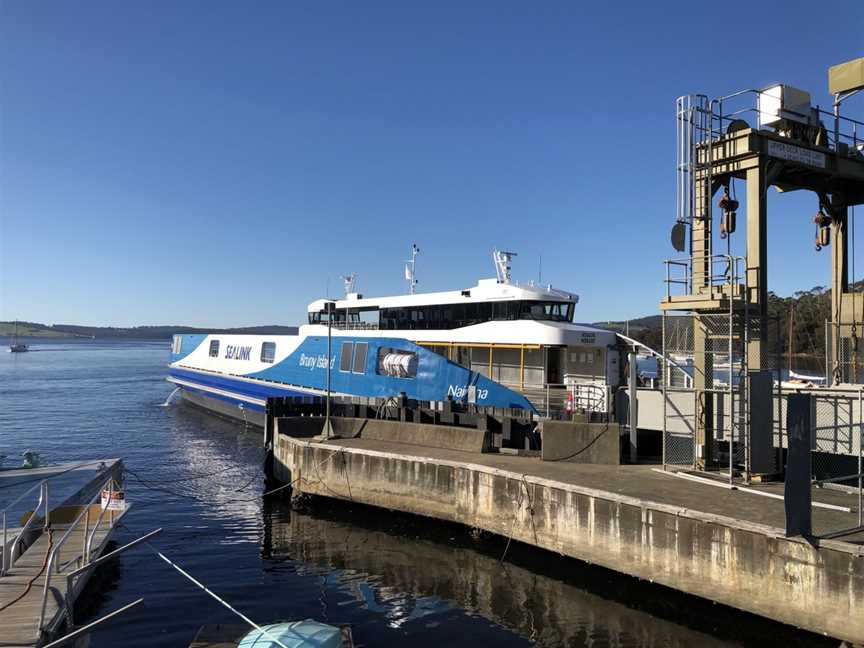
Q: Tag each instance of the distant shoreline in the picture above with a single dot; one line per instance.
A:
(73, 331)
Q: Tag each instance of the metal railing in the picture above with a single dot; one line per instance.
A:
(559, 400)
(7, 557)
(53, 565)
(700, 120)
(723, 271)
(837, 447)
(356, 326)
(845, 130)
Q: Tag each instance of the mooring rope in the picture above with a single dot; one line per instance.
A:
(201, 585)
(29, 585)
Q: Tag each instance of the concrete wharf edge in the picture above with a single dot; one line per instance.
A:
(737, 562)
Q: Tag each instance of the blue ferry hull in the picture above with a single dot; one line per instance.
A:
(235, 375)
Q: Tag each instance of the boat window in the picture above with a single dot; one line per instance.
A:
(345, 359)
(268, 351)
(178, 344)
(361, 350)
(396, 363)
(214, 348)
(548, 311)
(450, 316)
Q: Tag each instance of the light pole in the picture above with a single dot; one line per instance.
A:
(328, 428)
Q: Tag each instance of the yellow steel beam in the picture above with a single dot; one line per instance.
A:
(481, 345)
(521, 366)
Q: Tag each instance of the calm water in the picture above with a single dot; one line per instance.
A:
(398, 580)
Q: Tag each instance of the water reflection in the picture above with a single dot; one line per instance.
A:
(400, 568)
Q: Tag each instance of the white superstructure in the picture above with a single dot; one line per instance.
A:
(521, 335)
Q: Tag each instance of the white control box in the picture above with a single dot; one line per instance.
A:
(782, 102)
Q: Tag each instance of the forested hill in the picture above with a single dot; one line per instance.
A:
(810, 308)
(35, 329)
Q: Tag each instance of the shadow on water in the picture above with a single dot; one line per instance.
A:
(404, 566)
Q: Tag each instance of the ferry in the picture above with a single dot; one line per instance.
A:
(497, 344)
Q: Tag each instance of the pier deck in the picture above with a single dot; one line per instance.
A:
(19, 623)
(70, 487)
(644, 482)
(726, 546)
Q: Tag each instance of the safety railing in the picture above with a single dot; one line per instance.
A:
(53, 565)
(837, 449)
(720, 271)
(701, 120)
(560, 401)
(745, 105)
(7, 556)
(355, 326)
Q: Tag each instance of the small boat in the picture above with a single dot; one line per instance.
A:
(15, 346)
(816, 380)
(296, 634)
(299, 634)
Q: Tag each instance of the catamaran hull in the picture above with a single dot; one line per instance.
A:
(235, 375)
(224, 408)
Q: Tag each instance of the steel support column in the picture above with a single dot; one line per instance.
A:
(757, 264)
(839, 283)
(703, 361)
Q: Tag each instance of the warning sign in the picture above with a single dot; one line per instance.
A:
(113, 500)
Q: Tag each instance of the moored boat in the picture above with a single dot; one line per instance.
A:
(15, 346)
(496, 344)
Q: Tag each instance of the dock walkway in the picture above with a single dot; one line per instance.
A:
(70, 487)
(19, 623)
(645, 483)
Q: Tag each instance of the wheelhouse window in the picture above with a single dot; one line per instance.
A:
(449, 316)
(268, 352)
(178, 344)
(214, 348)
(361, 350)
(346, 356)
(320, 317)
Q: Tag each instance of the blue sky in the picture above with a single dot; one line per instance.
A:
(219, 164)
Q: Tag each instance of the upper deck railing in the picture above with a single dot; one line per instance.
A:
(713, 118)
(720, 272)
(354, 326)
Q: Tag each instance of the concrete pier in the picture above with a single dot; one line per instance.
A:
(725, 546)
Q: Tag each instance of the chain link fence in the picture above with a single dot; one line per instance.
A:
(849, 366)
(710, 379)
(837, 450)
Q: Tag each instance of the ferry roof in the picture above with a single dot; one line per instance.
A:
(486, 290)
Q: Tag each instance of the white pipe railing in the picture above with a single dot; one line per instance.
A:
(52, 563)
(6, 564)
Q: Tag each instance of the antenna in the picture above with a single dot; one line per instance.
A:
(349, 281)
(411, 269)
(502, 264)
